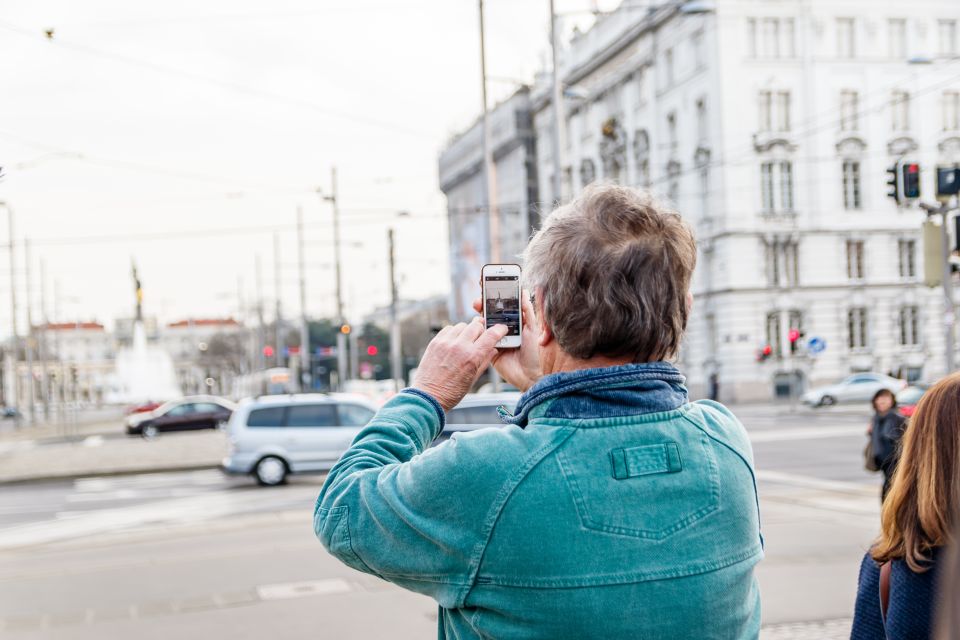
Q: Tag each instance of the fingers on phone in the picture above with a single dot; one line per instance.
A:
(478, 305)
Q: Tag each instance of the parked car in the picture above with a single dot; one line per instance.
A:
(192, 412)
(908, 398)
(859, 387)
(478, 411)
(271, 437)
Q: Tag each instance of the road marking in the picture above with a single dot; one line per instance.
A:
(805, 433)
(289, 590)
(810, 482)
(93, 441)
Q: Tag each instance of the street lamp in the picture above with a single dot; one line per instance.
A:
(13, 303)
(341, 338)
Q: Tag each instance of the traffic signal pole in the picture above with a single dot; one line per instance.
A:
(949, 314)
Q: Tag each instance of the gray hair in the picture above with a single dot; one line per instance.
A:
(612, 270)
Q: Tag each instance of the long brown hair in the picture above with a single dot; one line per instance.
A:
(920, 510)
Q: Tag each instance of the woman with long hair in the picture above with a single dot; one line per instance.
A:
(898, 592)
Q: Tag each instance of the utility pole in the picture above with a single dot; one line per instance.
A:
(278, 319)
(15, 339)
(396, 363)
(558, 115)
(489, 167)
(305, 370)
(262, 328)
(44, 351)
(28, 346)
(341, 337)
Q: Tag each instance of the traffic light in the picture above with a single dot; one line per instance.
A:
(268, 351)
(910, 180)
(345, 329)
(948, 182)
(764, 353)
(904, 181)
(793, 336)
(372, 350)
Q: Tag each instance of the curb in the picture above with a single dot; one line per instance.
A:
(106, 474)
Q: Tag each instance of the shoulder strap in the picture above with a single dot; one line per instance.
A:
(885, 588)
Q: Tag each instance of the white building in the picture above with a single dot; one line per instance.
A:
(205, 350)
(461, 180)
(770, 124)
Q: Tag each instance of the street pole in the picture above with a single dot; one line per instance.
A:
(28, 347)
(262, 329)
(44, 351)
(949, 314)
(558, 116)
(396, 364)
(13, 309)
(305, 371)
(341, 337)
(278, 321)
(489, 168)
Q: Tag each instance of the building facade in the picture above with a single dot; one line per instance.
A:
(770, 125)
(461, 179)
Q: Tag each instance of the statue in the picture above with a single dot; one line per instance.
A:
(139, 289)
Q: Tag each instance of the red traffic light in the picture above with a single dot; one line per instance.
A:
(767, 350)
(793, 335)
(913, 167)
(268, 351)
(372, 350)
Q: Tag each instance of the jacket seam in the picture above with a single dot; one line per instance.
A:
(627, 578)
(617, 421)
(499, 502)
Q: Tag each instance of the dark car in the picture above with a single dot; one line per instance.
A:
(196, 412)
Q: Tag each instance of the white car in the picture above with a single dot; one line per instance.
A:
(478, 411)
(271, 437)
(859, 387)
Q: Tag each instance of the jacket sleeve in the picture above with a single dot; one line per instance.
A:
(415, 516)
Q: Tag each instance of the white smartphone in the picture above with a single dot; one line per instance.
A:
(501, 301)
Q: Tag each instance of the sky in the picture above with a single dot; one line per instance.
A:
(184, 136)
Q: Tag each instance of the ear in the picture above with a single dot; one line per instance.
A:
(689, 301)
(546, 335)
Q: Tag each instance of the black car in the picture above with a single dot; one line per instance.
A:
(198, 412)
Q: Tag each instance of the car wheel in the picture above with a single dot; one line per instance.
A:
(149, 432)
(827, 401)
(270, 471)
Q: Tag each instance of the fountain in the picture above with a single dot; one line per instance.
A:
(143, 372)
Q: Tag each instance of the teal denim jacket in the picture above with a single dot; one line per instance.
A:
(610, 508)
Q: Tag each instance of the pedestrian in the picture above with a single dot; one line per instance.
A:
(885, 431)
(897, 595)
(610, 506)
(714, 386)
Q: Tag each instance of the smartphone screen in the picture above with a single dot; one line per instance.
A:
(502, 301)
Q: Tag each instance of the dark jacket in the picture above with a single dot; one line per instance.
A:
(886, 434)
(911, 610)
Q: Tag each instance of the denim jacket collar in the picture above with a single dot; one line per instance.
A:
(628, 389)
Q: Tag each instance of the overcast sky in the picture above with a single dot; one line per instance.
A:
(182, 134)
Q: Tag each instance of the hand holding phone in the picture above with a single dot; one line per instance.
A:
(501, 301)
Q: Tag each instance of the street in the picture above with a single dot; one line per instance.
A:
(195, 553)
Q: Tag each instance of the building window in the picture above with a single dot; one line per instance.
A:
(951, 110)
(909, 326)
(704, 175)
(782, 263)
(673, 176)
(752, 37)
(795, 320)
(789, 38)
(849, 105)
(782, 110)
(641, 154)
(900, 110)
(668, 66)
(696, 43)
(773, 333)
(765, 111)
(672, 132)
(855, 259)
(774, 175)
(774, 111)
(846, 38)
(851, 184)
(897, 38)
(771, 38)
(702, 121)
(907, 252)
(948, 37)
(857, 328)
(588, 172)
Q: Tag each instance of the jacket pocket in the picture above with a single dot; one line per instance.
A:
(333, 528)
(647, 490)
